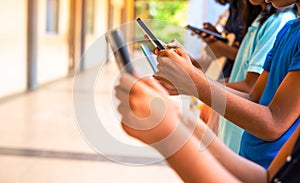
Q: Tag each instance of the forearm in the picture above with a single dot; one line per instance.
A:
(221, 84)
(221, 49)
(195, 166)
(236, 107)
(245, 85)
(202, 63)
(243, 169)
(240, 86)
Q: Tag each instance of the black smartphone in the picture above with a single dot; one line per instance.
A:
(119, 48)
(149, 57)
(199, 31)
(151, 36)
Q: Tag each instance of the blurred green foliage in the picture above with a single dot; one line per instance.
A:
(169, 17)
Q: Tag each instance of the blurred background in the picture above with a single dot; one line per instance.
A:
(41, 43)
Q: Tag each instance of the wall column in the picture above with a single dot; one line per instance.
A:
(32, 45)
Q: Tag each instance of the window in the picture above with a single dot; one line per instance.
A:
(52, 14)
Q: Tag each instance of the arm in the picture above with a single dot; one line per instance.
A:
(241, 168)
(245, 85)
(191, 164)
(273, 120)
(265, 122)
(195, 166)
(221, 49)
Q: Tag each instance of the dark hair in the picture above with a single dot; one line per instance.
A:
(250, 13)
(236, 4)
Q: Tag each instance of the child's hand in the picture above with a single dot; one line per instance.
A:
(147, 112)
(175, 71)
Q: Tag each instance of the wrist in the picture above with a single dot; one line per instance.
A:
(195, 62)
(195, 75)
(167, 124)
(174, 141)
(164, 129)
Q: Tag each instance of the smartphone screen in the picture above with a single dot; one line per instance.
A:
(149, 57)
(119, 48)
(151, 36)
(199, 31)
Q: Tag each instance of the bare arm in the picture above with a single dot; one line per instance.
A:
(190, 162)
(221, 49)
(245, 85)
(193, 165)
(243, 169)
(266, 122)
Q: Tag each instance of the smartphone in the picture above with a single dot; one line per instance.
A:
(149, 57)
(119, 48)
(199, 31)
(151, 36)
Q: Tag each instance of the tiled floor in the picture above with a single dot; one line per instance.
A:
(40, 140)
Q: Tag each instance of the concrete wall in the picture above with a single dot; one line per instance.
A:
(13, 30)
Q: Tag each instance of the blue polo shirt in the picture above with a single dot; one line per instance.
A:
(283, 58)
(251, 57)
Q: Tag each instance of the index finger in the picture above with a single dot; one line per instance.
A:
(173, 54)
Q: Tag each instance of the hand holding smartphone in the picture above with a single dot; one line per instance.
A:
(199, 31)
(150, 35)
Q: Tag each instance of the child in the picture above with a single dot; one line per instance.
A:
(149, 115)
(276, 116)
(268, 113)
(260, 36)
